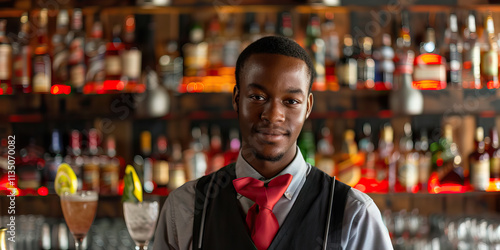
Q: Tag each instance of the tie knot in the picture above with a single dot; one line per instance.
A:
(266, 195)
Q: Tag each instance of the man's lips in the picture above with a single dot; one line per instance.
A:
(271, 134)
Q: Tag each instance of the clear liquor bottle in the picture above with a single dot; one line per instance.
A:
(21, 50)
(5, 61)
(76, 57)
(489, 58)
(471, 71)
(453, 53)
(316, 47)
(41, 61)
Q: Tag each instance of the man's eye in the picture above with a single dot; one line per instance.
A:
(257, 97)
(292, 101)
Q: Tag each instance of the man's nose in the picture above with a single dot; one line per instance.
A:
(274, 111)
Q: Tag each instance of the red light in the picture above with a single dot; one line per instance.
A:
(113, 85)
(59, 89)
(43, 191)
(429, 59)
(439, 162)
(493, 84)
(429, 85)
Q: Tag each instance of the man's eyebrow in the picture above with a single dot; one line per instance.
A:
(291, 90)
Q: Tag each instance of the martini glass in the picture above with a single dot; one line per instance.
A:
(79, 210)
(141, 219)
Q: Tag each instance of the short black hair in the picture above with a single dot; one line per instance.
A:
(275, 45)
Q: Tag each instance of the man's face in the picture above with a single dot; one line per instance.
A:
(273, 102)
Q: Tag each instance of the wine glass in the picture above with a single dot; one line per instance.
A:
(79, 210)
(140, 218)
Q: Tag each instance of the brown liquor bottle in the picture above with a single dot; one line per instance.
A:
(479, 161)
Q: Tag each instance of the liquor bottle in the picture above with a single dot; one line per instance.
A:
(384, 64)
(161, 166)
(285, 25)
(366, 65)
(53, 158)
(42, 65)
(95, 52)
(195, 157)
(489, 58)
(407, 170)
(170, 66)
(494, 152)
(471, 71)
(348, 161)
(269, 27)
(91, 162)
(316, 48)
(143, 162)
(74, 155)
(5, 61)
(110, 168)
(386, 160)
(30, 169)
(113, 63)
(367, 182)
(446, 159)
(21, 66)
(131, 57)
(215, 44)
(177, 167)
(252, 31)
(479, 161)
(453, 53)
(430, 69)
(404, 98)
(233, 150)
(324, 155)
(347, 71)
(215, 155)
(76, 57)
(231, 49)
(195, 53)
(60, 51)
(332, 53)
(424, 160)
(306, 144)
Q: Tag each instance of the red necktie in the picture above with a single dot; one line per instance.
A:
(260, 217)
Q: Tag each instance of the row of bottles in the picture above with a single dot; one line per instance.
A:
(69, 61)
(161, 166)
(412, 165)
(467, 58)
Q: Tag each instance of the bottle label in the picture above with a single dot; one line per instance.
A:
(77, 75)
(113, 65)
(41, 74)
(476, 61)
(5, 61)
(495, 167)
(424, 168)
(60, 65)
(177, 178)
(348, 72)
(160, 172)
(489, 64)
(110, 179)
(131, 63)
(480, 174)
(22, 67)
(91, 177)
(408, 172)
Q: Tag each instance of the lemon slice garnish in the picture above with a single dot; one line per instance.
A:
(66, 180)
(132, 190)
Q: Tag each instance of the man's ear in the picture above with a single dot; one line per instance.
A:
(310, 102)
(236, 99)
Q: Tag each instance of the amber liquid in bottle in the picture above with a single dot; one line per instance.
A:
(479, 161)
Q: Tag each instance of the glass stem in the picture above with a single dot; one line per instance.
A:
(79, 244)
(141, 247)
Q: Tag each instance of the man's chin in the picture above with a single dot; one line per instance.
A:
(269, 157)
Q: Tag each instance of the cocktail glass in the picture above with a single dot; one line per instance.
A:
(79, 210)
(141, 219)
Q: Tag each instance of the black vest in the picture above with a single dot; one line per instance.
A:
(219, 221)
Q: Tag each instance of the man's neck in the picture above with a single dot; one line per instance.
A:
(269, 169)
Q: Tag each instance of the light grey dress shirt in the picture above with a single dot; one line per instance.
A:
(362, 226)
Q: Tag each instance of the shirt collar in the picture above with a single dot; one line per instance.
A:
(298, 168)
